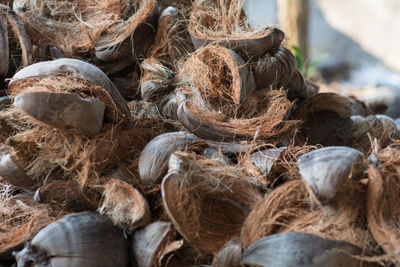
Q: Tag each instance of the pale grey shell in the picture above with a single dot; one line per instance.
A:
(302, 250)
(79, 239)
(78, 68)
(153, 161)
(146, 243)
(265, 159)
(324, 169)
(63, 110)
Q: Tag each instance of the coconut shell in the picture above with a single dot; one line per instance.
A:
(79, 239)
(326, 120)
(168, 106)
(207, 202)
(265, 159)
(153, 161)
(151, 243)
(76, 68)
(63, 110)
(4, 49)
(324, 169)
(224, 23)
(125, 205)
(302, 250)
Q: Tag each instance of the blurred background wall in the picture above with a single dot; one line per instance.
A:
(365, 34)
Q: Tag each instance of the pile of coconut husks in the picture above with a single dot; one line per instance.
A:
(172, 133)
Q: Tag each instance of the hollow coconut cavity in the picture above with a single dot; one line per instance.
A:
(217, 100)
(206, 201)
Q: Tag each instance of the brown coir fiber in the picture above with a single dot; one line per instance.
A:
(263, 115)
(217, 100)
(77, 27)
(206, 200)
(224, 22)
(20, 219)
(291, 208)
(383, 201)
(79, 156)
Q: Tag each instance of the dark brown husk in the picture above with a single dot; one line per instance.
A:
(383, 201)
(291, 208)
(207, 201)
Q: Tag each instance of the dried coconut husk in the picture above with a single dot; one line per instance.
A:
(206, 201)
(15, 46)
(72, 67)
(224, 22)
(292, 208)
(153, 161)
(229, 255)
(20, 219)
(172, 43)
(263, 115)
(374, 127)
(125, 205)
(79, 27)
(326, 120)
(383, 202)
(220, 75)
(219, 104)
(152, 243)
(275, 68)
(68, 196)
(80, 157)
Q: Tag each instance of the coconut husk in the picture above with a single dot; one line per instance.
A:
(291, 208)
(382, 202)
(21, 218)
(152, 243)
(77, 27)
(153, 161)
(326, 120)
(4, 49)
(275, 69)
(15, 46)
(229, 255)
(263, 115)
(80, 156)
(218, 104)
(374, 127)
(207, 202)
(215, 67)
(126, 207)
(225, 23)
(71, 67)
(68, 196)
